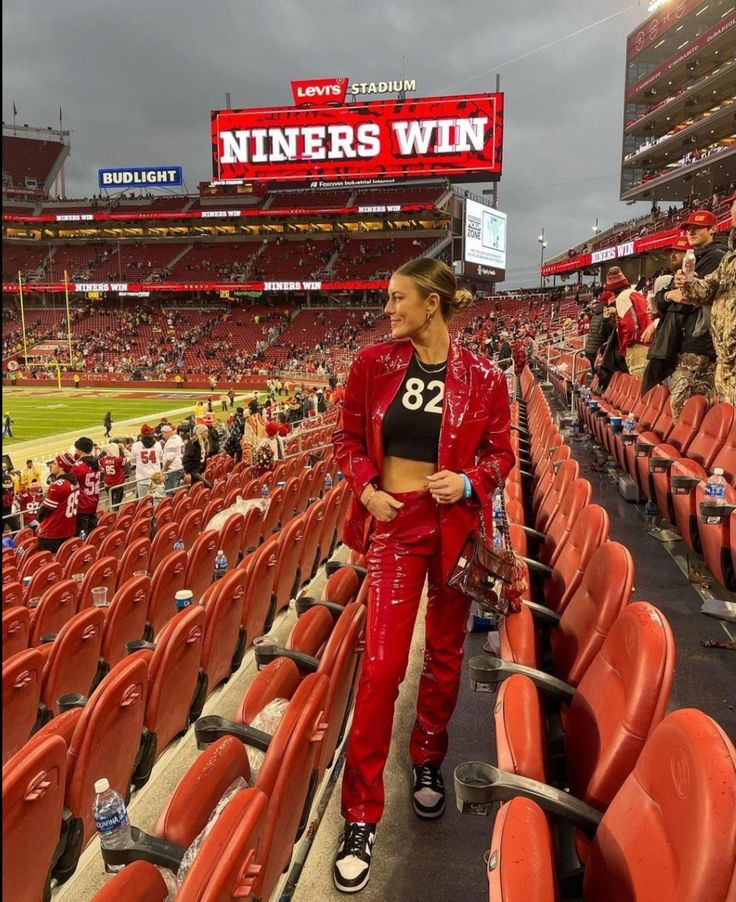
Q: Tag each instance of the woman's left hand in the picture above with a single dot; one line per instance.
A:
(446, 487)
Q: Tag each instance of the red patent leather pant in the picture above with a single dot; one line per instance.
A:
(402, 553)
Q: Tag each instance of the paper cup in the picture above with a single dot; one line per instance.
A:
(183, 599)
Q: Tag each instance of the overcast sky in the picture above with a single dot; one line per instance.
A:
(136, 81)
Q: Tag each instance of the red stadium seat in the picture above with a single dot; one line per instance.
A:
(57, 606)
(286, 576)
(42, 579)
(103, 572)
(80, 561)
(168, 579)
(191, 527)
(201, 563)
(272, 516)
(716, 540)
(33, 561)
(259, 567)
(313, 529)
(137, 882)
(173, 669)
(163, 544)
(669, 833)
(252, 530)
(114, 544)
(136, 558)
(67, 549)
(22, 675)
(33, 801)
(140, 528)
(224, 635)
(125, 619)
(231, 538)
(12, 594)
(97, 536)
(16, 630)
(73, 658)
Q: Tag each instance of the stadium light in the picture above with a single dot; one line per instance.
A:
(543, 243)
(654, 5)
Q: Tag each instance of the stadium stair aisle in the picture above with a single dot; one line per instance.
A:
(438, 860)
(704, 677)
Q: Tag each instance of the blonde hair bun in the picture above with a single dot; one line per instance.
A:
(462, 300)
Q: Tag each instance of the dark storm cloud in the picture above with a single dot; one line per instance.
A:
(137, 81)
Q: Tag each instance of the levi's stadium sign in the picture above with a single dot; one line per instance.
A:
(458, 137)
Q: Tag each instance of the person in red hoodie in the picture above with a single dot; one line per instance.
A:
(112, 465)
(86, 469)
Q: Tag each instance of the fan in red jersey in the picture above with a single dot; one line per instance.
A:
(57, 513)
(86, 468)
(29, 500)
(112, 464)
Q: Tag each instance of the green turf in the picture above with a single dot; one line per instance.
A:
(43, 413)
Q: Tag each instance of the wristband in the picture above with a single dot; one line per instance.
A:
(468, 491)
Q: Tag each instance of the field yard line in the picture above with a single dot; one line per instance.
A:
(37, 449)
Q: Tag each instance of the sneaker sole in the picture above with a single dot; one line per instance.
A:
(350, 889)
(429, 815)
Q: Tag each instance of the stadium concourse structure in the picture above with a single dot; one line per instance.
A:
(678, 142)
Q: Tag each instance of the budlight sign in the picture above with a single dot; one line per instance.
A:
(140, 177)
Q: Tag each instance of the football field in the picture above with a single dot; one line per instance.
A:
(40, 415)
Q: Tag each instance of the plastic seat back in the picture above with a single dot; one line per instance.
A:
(213, 508)
(304, 484)
(97, 536)
(521, 861)
(575, 499)
(621, 698)
(252, 530)
(310, 633)
(342, 587)
(137, 882)
(172, 675)
(33, 801)
(191, 527)
(711, 435)
(224, 614)
(44, 578)
(163, 544)
(286, 578)
(80, 561)
(313, 527)
(334, 501)
(12, 593)
(114, 544)
(125, 618)
(16, 630)
(73, 658)
(106, 739)
(272, 516)
(201, 563)
(57, 606)
(168, 579)
(22, 675)
(140, 528)
(34, 561)
(589, 532)
(567, 473)
(137, 558)
(670, 832)
(67, 549)
(260, 567)
(231, 538)
(228, 861)
(104, 572)
(604, 591)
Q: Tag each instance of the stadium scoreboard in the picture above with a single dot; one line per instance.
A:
(460, 138)
(484, 241)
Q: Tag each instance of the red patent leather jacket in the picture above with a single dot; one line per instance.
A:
(475, 430)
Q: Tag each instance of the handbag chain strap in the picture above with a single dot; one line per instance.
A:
(504, 525)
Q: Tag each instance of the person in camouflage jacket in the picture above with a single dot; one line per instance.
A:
(719, 289)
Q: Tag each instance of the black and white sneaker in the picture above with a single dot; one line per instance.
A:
(353, 863)
(429, 791)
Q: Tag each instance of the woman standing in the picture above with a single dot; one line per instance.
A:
(195, 454)
(107, 423)
(423, 440)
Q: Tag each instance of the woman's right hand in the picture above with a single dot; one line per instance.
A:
(383, 506)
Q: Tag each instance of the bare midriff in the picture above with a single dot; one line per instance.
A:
(402, 475)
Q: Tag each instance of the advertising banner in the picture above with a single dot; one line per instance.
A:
(658, 24)
(484, 241)
(458, 137)
(141, 177)
(319, 91)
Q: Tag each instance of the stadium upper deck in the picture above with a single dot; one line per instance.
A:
(679, 103)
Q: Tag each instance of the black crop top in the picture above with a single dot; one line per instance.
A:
(411, 427)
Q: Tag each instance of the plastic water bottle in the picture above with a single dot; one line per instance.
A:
(220, 564)
(264, 492)
(83, 536)
(715, 491)
(19, 553)
(497, 539)
(650, 515)
(340, 476)
(179, 544)
(688, 265)
(328, 482)
(111, 818)
(629, 424)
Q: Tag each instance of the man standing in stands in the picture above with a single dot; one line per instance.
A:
(57, 513)
(505, 357)
(719, 290)
(171, 463)
(695, 368)
(600, 328)
(86, 469)
(31, 473)
(632, 321)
